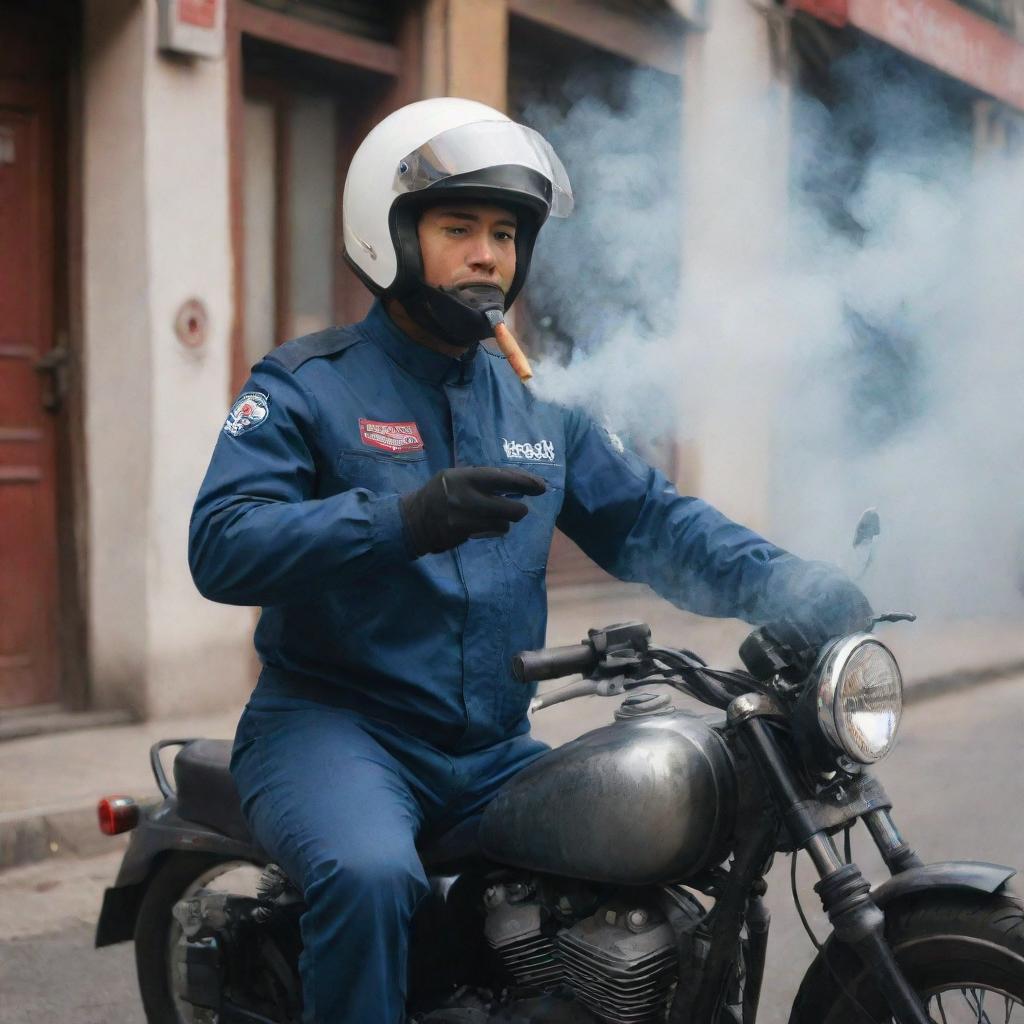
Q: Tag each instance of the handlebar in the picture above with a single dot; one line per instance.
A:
(554, 662)
(584, 657)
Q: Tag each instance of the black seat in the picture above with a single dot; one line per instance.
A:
(206, 791)
(207, 796)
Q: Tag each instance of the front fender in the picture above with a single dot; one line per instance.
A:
(975, 875)
(953, 876)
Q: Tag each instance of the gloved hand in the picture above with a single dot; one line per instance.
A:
(822, 601)
(455, 504)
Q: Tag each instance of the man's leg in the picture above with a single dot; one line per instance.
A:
(335, 810)
(479, 775)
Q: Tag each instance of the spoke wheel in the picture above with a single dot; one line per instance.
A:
(963, 952)
(158, 934)
(958, 1004)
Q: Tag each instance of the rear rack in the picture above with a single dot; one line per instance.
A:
(157, 765)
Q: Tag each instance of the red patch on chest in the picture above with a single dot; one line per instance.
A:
(391, 437)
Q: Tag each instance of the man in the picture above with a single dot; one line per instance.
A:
(387, 492)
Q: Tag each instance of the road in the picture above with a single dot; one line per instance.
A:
(955, 778)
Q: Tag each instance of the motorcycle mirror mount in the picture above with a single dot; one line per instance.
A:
(869, 526)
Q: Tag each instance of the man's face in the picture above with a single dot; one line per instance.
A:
(468, 243)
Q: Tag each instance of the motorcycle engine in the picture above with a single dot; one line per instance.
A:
(619, 960)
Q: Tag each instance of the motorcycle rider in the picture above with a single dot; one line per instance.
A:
(387, 493)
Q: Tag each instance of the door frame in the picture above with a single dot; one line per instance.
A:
(59, 67)
(393, 73)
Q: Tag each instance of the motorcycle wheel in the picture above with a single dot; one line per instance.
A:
(157, 932)
(963, 953)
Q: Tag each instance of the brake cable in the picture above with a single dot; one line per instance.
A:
(822, 951)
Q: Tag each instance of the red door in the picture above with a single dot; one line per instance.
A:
(28, 521)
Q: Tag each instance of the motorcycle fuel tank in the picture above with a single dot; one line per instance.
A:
(639, 802)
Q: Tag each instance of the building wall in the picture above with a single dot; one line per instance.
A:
(156, 230)
(736, 141)
(199, 652)
(117, 358)
(155, 233)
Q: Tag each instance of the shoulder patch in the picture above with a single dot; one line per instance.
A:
(292, 354)
(247, 413)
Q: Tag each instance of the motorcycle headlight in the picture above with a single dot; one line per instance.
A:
(860, 698)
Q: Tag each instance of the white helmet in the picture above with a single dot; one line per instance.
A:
(433, 150)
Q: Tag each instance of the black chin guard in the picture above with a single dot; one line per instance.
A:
(458, 315)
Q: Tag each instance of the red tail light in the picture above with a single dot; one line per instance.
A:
(117, 814)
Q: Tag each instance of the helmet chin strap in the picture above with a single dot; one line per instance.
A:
(456, 315)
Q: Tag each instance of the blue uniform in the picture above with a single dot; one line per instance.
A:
(299, 514)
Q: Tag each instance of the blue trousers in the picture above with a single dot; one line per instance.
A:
(338, 800)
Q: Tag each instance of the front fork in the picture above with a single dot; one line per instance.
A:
(844, 892)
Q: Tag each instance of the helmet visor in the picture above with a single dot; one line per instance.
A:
(481, 144)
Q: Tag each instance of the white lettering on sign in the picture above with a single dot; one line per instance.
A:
(537, 451)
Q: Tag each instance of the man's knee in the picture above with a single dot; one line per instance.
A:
(372, 878)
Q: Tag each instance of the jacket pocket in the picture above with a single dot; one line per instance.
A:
(380, 472)
(528, 542)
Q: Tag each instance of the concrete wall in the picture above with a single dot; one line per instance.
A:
(199, 652)
(156, 233)
(736, 139)
(117, 357)
(465, 50)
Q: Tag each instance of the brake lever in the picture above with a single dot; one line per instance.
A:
(611, 686)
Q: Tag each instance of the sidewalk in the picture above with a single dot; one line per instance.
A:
(49, 784)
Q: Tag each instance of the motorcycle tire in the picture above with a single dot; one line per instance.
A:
(948, 941)
(170, 881)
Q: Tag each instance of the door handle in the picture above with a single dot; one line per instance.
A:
(53, 366)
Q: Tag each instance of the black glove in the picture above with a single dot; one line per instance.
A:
(456, 504)
(823, 602)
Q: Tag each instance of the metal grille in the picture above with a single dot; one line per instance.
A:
(622, 978)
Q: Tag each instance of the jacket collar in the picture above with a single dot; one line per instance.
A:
(415, 358)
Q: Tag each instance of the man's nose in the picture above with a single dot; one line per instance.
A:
(481, 255)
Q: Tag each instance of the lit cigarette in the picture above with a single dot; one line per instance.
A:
(510, 347)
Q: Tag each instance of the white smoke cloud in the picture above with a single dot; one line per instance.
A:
(892, 342)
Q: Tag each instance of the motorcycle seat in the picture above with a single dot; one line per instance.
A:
(207, 796)
(206, 790)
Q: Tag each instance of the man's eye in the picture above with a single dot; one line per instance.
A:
(505, 236)
(455, 230)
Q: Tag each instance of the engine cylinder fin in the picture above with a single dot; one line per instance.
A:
(623, 978)
(531, 961)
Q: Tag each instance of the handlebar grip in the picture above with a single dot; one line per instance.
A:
(553, 662)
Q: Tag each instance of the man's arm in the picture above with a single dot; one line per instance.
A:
(631, 520)
(258, 535)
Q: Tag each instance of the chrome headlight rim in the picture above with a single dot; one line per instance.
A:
(833, 722)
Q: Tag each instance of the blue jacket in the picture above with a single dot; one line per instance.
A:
(299, 514)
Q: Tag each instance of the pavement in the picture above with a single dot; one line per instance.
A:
(50, 784)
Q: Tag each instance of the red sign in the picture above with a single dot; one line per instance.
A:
(939, 32)
(945, 35)
(391, 437)
(832, 12)
(201, 13)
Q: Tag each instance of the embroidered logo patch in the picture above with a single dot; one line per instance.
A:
(247, 413)
(538, 451)
(391, 437)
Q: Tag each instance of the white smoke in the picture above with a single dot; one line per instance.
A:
(892, 343)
